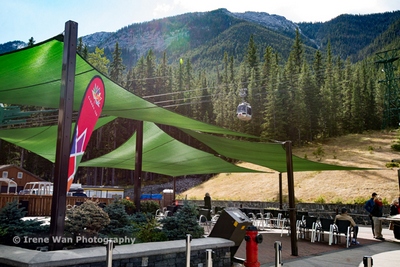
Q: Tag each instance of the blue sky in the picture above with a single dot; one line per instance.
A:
(43, 19)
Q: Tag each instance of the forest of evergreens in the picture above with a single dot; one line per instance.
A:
(292, 99)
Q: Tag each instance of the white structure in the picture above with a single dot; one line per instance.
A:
(10, 184)
(37, 188)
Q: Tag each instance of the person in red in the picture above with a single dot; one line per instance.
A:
(377, 213)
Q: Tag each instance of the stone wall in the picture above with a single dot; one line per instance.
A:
(168, 253)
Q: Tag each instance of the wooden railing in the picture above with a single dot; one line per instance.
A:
(41, 205)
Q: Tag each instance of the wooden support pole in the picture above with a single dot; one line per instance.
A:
(63, 148)
(137, 179)
(292, 205)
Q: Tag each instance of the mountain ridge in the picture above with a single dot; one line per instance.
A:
(180, 35)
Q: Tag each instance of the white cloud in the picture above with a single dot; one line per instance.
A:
(162, 10)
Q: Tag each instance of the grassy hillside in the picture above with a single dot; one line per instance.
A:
(369, 150)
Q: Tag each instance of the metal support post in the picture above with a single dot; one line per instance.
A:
(367, 261)
(278, 254)
(109, 247)
(209, 257)
(188, 240)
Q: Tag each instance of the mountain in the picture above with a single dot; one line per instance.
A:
(193, 35)
(348, 34)
(204, 37)
(207, 35)
(11, 46)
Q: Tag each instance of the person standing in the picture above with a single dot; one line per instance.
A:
(377, 213)
(207, 201)
(395, 210)
(207, 205)
(368, 207)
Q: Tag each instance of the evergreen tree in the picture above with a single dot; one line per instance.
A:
(150, 80)
(347, 91)
(79, 48)
(99, 60)
(116, 66)
(31, 41)
(311, 103)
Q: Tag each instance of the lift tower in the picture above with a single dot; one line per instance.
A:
(391, 109)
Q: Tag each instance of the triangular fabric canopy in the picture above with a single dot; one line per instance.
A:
(165, 155)
(32, 76)
(270, 155)
(40, 140)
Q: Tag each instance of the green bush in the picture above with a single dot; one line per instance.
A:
(150, 231)
(86, 220)
(359, 200)
(396, 147)
(120, 222)
(320, 200)
(182, 223)
(149, 206)
(12, 225)
(319, 152)
(129, 206)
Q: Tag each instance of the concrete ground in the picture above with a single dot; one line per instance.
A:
(383, 253)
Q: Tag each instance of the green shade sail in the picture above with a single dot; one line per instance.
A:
(270, 155)
(32, 76)
(40, 140)
(165, 155)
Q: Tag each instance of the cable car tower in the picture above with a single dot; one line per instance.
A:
(391, 109)
(243, 111)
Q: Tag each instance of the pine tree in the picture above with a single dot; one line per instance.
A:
(99, 60)
(116, 66)
(31, 41)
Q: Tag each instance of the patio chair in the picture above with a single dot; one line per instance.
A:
(344, 227)
(277, 221)
(300, 223)
(267, 219)
(205, 224)
(309, 226)
(256, 220)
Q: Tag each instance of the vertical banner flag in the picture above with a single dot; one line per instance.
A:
(92, 105)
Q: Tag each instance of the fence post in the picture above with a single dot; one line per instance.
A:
(109, 248)
(209, 258)
(368, 262)
(278, 253)
(188, 240)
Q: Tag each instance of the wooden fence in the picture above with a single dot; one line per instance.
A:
(41, 205)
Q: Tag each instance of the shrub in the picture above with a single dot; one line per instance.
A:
(320, 200)
(150, 231)
(392, 165)
(360, 200)
(86, 220)
(182, 223)
(12, 225)
(120, 222)
(396, 147)
(319, 152)
(149, 206)
(129, 206)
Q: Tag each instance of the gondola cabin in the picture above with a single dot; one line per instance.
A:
(243, 111)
